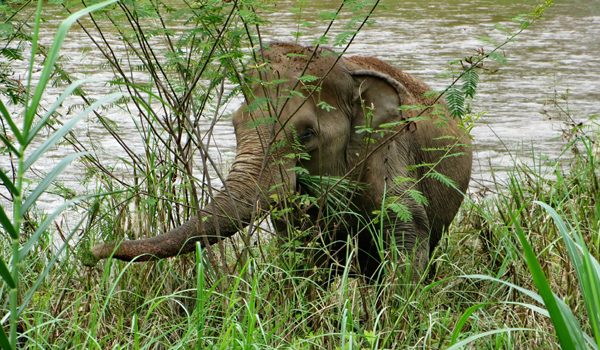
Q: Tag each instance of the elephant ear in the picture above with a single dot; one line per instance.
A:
(377, 99)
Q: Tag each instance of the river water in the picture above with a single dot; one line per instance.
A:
(559, 54)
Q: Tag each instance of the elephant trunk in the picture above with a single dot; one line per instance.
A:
(245, 190)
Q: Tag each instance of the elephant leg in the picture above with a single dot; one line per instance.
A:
(437, 229)
(413, 243)
(370, 255)
(411, 239)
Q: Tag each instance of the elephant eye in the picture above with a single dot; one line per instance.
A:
(306, 135)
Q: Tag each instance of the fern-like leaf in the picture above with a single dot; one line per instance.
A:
(11, 54)
(418, 197)
(456, 101)
(470, 80)
(445, 180)
(401, 210)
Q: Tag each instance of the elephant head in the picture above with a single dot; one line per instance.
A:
(352, 117)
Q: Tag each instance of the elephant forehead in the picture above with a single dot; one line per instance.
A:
(293, 68)
(293, 57)
(285, 94)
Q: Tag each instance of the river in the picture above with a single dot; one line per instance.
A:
(558, 55)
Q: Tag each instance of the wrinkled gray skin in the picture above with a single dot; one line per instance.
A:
(351, 85)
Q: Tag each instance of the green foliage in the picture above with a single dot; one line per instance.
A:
(337, 192)
(470, 80)
(445, 180)
(588, 275)
(558, 259)
(456, 101)
(401, 210)
(22, 201)
(567, 328)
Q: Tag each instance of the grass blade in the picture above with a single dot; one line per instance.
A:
(11, 123)
(8, 183)
(533, 295)
(5, 273)
(9, 145)
(586, 267)
(472, 338)
(463, 320)
(46, 223)
(7, 224)
(591, 292)
(4, 343)
(42, 276)
(52, 140)
(201, 293)
(51, 58)
(66, 93)
(42, 186)
(567, 328)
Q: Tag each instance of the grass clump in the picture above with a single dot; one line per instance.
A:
(537, 233)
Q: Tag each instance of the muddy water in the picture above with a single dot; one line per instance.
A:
(560, 53)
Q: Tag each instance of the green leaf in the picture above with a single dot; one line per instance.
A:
(567, 328)
(45, 224)
(51, 58)
(12, 54)
(398, 180)
(4, 343)
(307, 78)
(253, 124)
(463, 320)
(8, 183)
(296, 93)
(325, 106)
(418, 197)
(66, 93)
(8, 226)
(498, 57)
(9, 145)
(470, 80)
(461, 344)
(49, 264)
(11, 123)
(298, 170)
(445, 180)
(327, 15)
(258, 104)
(586, 267)
(401, 211)
(456, 102)
(6, 276)
(60, 133)
(533, 295)
(488, 40)
(46, 181)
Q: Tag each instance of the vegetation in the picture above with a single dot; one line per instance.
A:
(507, 275)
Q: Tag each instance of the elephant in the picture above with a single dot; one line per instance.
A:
(351, 117)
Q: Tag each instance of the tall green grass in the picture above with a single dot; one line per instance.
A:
(18, 146)
(557, 274)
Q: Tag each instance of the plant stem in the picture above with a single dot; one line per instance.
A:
(14, 295)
